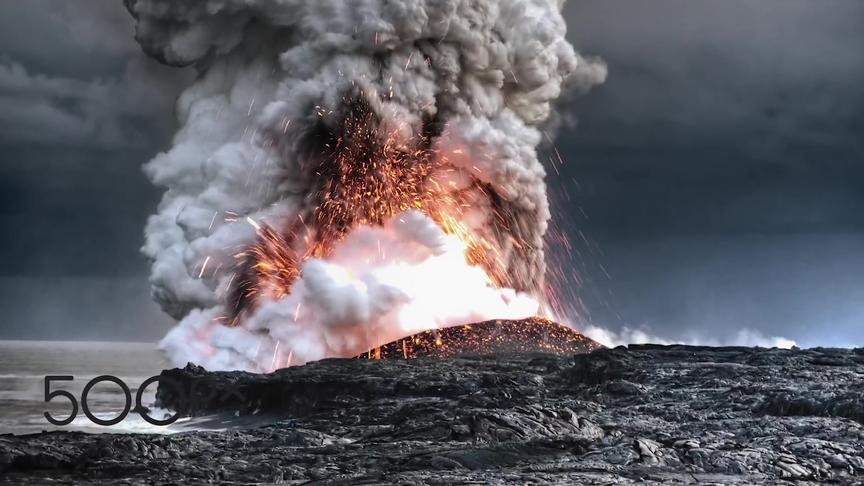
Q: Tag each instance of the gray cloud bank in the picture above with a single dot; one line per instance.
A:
(81, 108)
(719, 166)
(71, 75)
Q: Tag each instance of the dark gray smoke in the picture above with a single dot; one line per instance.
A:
(484, 73)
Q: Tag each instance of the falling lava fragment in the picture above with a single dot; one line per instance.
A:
(491, 337)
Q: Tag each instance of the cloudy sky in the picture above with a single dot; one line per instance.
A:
(717, 178)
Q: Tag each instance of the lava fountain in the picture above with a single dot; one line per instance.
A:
(347, 174)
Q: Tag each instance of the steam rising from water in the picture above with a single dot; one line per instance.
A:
(467, 82)
(742, 337)
(381, 284)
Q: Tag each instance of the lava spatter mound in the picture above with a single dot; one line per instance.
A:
(491, 337)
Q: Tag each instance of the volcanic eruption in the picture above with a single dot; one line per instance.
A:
(347, 174)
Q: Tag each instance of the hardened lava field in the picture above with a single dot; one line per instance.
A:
(499, 336)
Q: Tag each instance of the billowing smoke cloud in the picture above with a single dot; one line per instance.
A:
(467, 84)
(381, 284)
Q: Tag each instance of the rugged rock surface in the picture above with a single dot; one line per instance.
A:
(647, 414)
(497, 336)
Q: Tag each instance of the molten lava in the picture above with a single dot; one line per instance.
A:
(365, 178)
(500, 336)
(398, 241)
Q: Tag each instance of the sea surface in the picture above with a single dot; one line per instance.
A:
(25, 364)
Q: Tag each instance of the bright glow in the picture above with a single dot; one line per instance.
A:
(380, 284)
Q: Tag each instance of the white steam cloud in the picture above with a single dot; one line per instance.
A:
(481, 73)
(381, 284)
(743, 337)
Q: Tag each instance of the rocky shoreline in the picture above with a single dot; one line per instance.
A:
(646, 414)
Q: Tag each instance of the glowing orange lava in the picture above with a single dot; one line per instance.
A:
(500, 336)
(364, 178)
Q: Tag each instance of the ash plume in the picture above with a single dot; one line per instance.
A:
(320, 129)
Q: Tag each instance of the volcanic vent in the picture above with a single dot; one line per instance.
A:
(490, 337)
(347, 174)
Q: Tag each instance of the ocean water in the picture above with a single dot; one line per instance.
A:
(24, 365)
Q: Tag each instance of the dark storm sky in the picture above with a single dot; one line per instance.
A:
(721, 169)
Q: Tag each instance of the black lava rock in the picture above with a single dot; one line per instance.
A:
(643, 414)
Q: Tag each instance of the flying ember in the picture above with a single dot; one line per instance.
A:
(347, 174)
(528, 335)
(366, 178)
